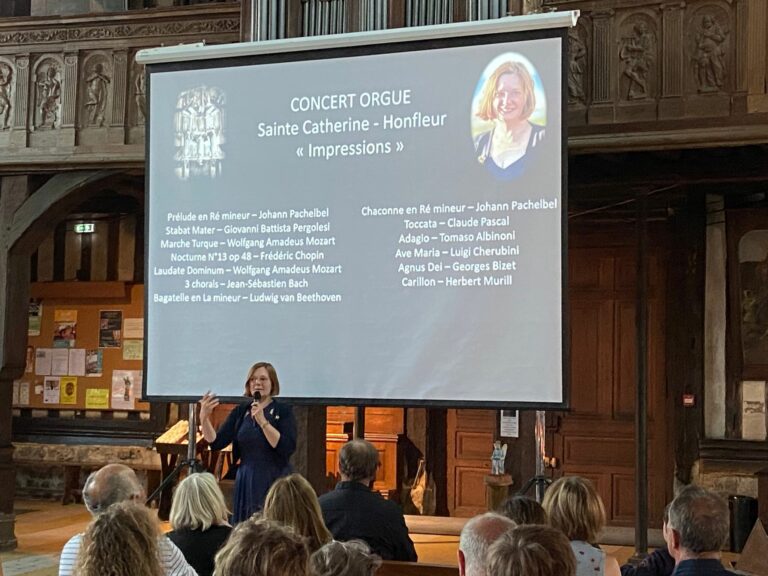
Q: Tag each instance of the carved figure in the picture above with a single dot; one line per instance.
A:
(6, 75)
(96, 93)
(576, 53)
(140, 94)
(497, 458)
(637, 55)
(50, 93)
(710, 55)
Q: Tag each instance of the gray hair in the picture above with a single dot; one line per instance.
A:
(109, 485)
(700, 517)
(353, 558)
(477, 536)
(358, 460)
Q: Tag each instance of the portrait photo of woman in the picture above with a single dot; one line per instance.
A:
(509, 116)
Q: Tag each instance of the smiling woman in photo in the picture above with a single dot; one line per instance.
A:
(507, 101)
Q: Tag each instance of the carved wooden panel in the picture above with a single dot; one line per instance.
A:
(596, 438)
(469, 490)
(591, 328)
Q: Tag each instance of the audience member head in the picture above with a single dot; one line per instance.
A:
(121, 540)
(476, 537)
(109, 485)
(697, 524)
(358, 461)
(523, 510)
(292, 501)
(532, 550)
(574, 507)
(259, 547)
(353, 558)
(198, 503)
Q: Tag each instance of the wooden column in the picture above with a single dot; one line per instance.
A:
(309, 458)
(14, 294)
(437, 465)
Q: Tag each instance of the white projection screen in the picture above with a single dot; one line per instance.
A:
(379, 215)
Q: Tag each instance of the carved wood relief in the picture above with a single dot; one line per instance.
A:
(709, 48)
(638, 55)
(47, 74)
(96, 87)
(578, 64)
(6, 92)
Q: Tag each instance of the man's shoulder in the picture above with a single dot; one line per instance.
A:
(701, 567)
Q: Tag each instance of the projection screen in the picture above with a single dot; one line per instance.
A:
(379, 215)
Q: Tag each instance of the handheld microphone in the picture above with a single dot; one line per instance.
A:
(257, 399)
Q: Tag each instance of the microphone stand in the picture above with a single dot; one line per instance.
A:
(190, 462)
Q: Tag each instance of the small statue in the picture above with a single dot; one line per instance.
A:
(497, 458)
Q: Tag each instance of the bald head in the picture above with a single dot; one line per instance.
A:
(476, 537)
(109, 485)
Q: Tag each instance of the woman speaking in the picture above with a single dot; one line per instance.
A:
(263, 437)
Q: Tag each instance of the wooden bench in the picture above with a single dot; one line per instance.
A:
(392, 568)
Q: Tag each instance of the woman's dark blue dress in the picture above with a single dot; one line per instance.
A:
(259, 463)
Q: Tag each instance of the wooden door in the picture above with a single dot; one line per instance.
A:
(470, 435)
(596, 438)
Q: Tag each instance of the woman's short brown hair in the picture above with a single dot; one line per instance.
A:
(486, 109)
(574, 507)
(258, 547)
(292, 501)
(531, 550)
(352, 558)
(271, 372)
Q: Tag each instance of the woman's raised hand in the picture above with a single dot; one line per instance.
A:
(208, 402)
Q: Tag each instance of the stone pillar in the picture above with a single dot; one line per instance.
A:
(715, 320)
(14, 294)
(309, 458)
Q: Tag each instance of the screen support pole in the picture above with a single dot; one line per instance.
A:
(540, 481)
(190, 462)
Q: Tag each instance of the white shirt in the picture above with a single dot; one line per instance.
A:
(171, 559)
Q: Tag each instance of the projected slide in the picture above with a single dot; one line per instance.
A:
(383, 228)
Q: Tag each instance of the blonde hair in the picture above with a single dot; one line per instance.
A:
(353, 558)
(198, 503)
(121, 541)
(532, 550)
(258, 547)
(486, 109)
(292, 501)
(575, 508)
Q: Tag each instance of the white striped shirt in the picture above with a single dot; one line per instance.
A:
(171, 558)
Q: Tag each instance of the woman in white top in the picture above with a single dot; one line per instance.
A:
(574, 507)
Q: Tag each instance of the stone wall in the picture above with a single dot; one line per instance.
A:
(40, 473)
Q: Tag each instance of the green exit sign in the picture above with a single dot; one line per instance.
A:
(84, 228)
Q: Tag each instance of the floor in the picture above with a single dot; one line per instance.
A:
(42, 528)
